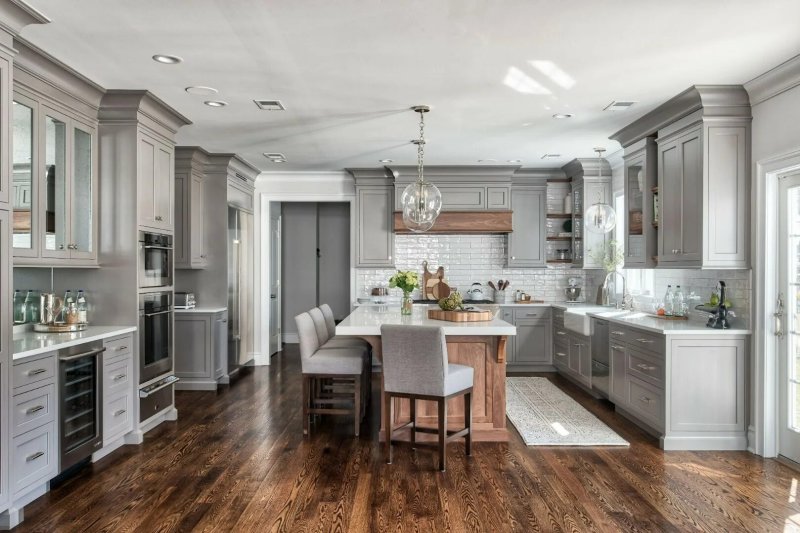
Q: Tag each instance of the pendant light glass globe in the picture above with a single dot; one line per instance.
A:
(600, 218)
(421, 203)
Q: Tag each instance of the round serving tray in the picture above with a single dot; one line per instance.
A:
(58, 328)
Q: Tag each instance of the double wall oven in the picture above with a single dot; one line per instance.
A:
(156, 322)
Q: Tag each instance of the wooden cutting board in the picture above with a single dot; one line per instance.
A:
(441, 290)
(431, 279)
(460, 316)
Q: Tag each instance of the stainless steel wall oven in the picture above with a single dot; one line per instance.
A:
(155, 335)
(155, 260)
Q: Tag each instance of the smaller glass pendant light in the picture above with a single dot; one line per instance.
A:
(421, 200)
(600, 217)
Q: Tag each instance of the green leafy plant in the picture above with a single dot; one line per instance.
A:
(611, 256)
(405, 280)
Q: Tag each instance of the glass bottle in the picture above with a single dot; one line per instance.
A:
(31, 307)
(65, 305)
(83, 308)
(668, 309)
(19, 307)
(678, 300)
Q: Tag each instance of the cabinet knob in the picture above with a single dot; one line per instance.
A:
(159, 218)
(513, 257)
(390, 258)
(60, 246)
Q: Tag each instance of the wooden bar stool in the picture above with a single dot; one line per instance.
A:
(415, 366)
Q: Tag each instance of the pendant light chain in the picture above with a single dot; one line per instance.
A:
(421, 146)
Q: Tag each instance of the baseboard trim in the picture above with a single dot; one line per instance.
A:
(196, 385)
(704, 443)
(105, 450)
(170, 414)
(751, 439)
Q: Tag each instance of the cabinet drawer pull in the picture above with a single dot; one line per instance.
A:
(617, 332)
(645, 399)
(120, 412)
(645, 367)
(560, 333)
(561, 354)
(119, 377)
(579, 344)
(159, 218)
(34, 456)
(531, 314)
(36, 371)
(120, 348)
(646, 341)
(34, 409)
(615, 347)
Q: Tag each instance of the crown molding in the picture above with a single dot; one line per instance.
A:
(455, 173)
(775, 81)
(16, 14)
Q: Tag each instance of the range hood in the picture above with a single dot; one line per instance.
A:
(463, 223)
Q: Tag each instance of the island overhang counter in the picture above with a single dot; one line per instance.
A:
(481, 345)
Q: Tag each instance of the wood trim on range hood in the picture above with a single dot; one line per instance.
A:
(463, 223)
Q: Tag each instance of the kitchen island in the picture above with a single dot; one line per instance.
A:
(481, 345)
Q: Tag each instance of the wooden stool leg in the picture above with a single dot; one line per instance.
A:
(442, 432)
(357, 406)
(387, 424)
(468, 421)
(413, 410)
(306, 399)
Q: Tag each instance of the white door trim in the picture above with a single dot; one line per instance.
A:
(264, 199)
(763, 431)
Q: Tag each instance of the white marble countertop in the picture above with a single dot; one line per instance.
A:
(648, 322)
(31, 343)
(210, 310)
(367, 320)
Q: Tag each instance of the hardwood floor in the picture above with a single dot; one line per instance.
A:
(236, 460)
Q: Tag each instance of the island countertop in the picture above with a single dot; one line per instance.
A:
(367, 320)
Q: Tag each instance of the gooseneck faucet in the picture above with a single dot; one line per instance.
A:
(624, 303)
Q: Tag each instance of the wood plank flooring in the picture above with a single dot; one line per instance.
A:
(236, 461)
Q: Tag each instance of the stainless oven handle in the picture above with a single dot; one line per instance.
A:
(81, 355)
(145, 394)
(152, 247)
(158, 313)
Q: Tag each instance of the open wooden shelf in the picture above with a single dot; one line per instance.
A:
(559, 180)
(560, 261)
(559, 238)
(559, 215)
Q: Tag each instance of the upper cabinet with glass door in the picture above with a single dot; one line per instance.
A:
(57, 218)
(641, 195)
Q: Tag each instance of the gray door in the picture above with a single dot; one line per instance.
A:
(533, 341)
(788, 313)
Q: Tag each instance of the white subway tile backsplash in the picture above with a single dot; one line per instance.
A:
(468, 259)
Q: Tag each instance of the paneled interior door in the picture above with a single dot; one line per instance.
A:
(787, 314)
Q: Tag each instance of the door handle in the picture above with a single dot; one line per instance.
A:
(778, 318)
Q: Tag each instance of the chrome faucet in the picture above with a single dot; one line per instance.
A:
(625, 303)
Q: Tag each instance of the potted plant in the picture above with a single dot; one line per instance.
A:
(406, 281)
(611, 256)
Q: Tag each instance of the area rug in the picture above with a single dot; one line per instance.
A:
(545, 416)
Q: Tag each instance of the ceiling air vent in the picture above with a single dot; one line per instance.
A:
(551, 156)
(270, 105)
(618, 106)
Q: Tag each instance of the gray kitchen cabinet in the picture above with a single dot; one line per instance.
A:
(498, 197)
(199, 337)
(190, 212)
(156, 183)
(703, 160)
(533, 341)
(374, 226)
(561, 355)
(526, 244)
(119, 389)
(57, 208)
(640, 175)
(618, 363)
(580, 359)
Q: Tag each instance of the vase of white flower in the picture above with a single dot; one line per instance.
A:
(406, 281)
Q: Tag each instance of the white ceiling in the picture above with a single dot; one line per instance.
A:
(347, 70)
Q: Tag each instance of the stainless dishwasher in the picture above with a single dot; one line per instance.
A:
(80, 401)
(600, 360)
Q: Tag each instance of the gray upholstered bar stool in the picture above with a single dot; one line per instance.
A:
(330, 325)
(333, 378)
(415, 366)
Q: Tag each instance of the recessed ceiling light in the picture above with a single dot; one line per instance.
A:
(201, 90)
(270, 105)
(386, 161)
(618, 106)
(167, 59)
(278, 160)
(562, 115)
(551, 156)
(275, 157)
(515, 160)
(487, 160)
(215, 103)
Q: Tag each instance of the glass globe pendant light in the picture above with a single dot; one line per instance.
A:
(600, 217)
(421, 200)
